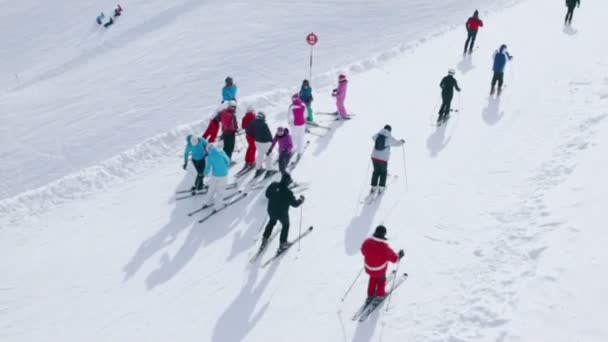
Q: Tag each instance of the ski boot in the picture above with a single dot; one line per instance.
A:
(373, 190)
(499, 91)
(492, 91)
(381, 190)
(283, 246)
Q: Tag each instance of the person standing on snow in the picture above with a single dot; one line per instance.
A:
(198, 148)
(473, 25)
(340, 94)
(217, 164)
(447, 84)
(100, 18)
(285, 148)
(377, 254)
(229, 91)
(501, 56)
(571, 4)
(383, 141)
(250, 154)
(280, 198)
(230, 126)
(117, 11)
(297, 121)
(306, 97)
(263, 138)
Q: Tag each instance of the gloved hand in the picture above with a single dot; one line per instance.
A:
(268, 153)
(402, 141)
(302, 198)
(185, 165)
(401, 253)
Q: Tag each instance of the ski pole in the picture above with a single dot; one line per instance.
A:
(390, 295)
(300, 232)
(404, 168)
(353, 284)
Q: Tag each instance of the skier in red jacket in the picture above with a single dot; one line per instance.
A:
(473, 24)
(230, 126)
(377, 254)
(212, 129)
(250, 154)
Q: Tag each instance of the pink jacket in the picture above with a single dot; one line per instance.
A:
(297, 112)
(341, 90)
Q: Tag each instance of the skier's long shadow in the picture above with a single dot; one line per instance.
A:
(240, 317)
(359, 227)
(254, 222)
(437, 141)
(466, 64)
(324, 140)
(365, 330)
(491, 113)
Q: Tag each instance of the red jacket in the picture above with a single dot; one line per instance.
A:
(474, 23)
(377, 254)
(249, 116)
(228, 120)
(211, 131)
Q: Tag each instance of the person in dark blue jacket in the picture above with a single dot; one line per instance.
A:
(263, 140)
(229, 90)
(501, 57)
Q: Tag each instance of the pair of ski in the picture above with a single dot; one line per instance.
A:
(279, 252)
(335, 114)
(199, 192)
(370, 306)
(231, 198)
(376, 194)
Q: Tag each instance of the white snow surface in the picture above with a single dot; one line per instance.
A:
(500, 211)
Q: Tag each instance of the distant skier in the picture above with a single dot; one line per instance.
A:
(447, 84)
(217, 165)
(258, 128)
(280, 198)
(377, 254)
(230, 126)
(229, 90)
(250, 154)
(571, 4)
(501, 56)
(117, 11)
(340, 94)
(285, 148)
(383, 141)
(198, 148)
(297, 120)
(100, 18)
(109, 23)
(473, 25)
(306, 97)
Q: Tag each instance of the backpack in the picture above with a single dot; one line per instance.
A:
(380, 143)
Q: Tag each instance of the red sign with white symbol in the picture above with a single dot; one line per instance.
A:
(312, 39)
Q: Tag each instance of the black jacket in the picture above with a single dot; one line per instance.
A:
(572, 3)
(280, 198)
(448, 84)
(259, 130)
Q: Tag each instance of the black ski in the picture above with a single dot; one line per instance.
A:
(245, 170)
(282, 252)
(377, 302)
(389, 280)
(215, 211)
(264, 247)
(202, 192)
(332, 113)
(210, 205)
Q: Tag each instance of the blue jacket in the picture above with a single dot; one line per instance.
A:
(500, 60)
(306, 95)
(198, 150)
(217, 163)
(229, 93)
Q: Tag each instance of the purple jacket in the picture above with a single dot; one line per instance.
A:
(341, 90)
(285, 143)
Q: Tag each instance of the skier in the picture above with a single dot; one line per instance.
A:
(117, 11)
(230, 126)
(263, 138)
(473, 25)
(280, 198)
(250, 136)
(501, 56)
(297, 121)
(571, 4)
(229, 90)
(447, 84)
(383, 141)
(340, 94)
(198, 148)
(217, 164)
(306, 97)
(100, 18)
(285, 148)
(377, 254)
(109, 23)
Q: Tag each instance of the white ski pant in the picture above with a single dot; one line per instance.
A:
(262, 160)
(298, 133)
(217, 191)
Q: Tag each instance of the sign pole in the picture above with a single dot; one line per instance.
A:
(311, 39)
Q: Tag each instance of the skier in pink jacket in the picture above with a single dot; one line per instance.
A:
(340, 94)
(297, 120)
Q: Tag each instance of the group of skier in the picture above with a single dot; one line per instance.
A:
(100, 18)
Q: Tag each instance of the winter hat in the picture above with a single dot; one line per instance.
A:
(280, 131)
(342, 76)
(305, 82)
(261, 116)
(286, 179)
(250, 109)
(380, 232)
(229, 80)
(194, 140)
(451, 71)
(211, 146)
(476, 13)
(503, 47)
(388, 128)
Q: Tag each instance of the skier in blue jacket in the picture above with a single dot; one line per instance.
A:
(217, 165)
(197, 147)
(501, 57)
(229, 90)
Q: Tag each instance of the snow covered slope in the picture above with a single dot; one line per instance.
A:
(501, 217)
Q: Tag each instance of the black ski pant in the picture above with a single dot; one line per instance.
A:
(229, 139)
(272, 221)
(569, 14)
(498, 78)
(284, 158)
(468, 45)
(446, 104)
(380, 172)
(199, 165)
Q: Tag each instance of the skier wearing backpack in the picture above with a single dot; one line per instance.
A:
(250, 154)
(198, 148)
(229, 90)
(306, 97)
(473, 24)
(447, 84)
(280, 198)
(297, 120)
(230, 126)
(285, 148)
(340, 94)
(501, 57)
(571, 4)
(263, 138)
(217, 165)
(383, 141)
(377, 254)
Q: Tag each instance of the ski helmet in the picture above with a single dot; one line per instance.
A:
(261, 116)
(194, 140)
(286, 179)
(250, 109)
(232, 104)
(380, 232)
(210, 146)
(476, 13)
(503, 47)
(229, 80)
(388, 128)
(451, 71)
(342, 76)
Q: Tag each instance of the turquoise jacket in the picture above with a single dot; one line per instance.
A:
(229, 93)
(198, 150)
(217, 163)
